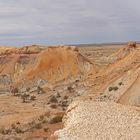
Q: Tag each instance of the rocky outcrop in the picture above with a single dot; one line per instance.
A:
(123, 52)
(88, 120)
(30, 64)
(59, 63)
(132, 44)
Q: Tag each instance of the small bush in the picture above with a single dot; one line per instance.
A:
(28, 89)
(15, 90)
(65, 97)
(53, 99)
(58, 95)
(41, 117)
(110, 88)
(24, 97)
(115, 88)
(46, 129)
(53, 106)
(18, 130)
(70, 89)
(38, 126)
(120, 83)
(13, 126)
(64, 103)
(105, 96)
(56, 119)
(31, 123)
(2, 131)
(77, 80)
(5, 131)
(40, 90)
(33, 98)
(18, 123)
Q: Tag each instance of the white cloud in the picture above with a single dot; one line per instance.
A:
(63, 21)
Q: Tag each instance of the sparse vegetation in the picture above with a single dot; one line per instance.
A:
(41, 117)
(32, 123)
(64, 104)
(58, 95)
(28, 89)
(120, 83)
(16, 128)
(110, 88)
(65, 97)
(44, 111)
(53, 106)
(56, 119)
(77, 80)
(33, 98)
(13, 126)
(24, 97)
(113, 88)
(105, 96)
(53, 99)
(18, 123)
(40, 90)
(15, 91)
(4, 131)
(38, 126)
(70, 89)
(46, 129)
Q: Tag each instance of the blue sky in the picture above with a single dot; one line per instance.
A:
(52, 22)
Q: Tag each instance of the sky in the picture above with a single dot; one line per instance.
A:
(53, 22)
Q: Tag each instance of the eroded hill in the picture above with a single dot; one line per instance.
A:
(37, 85)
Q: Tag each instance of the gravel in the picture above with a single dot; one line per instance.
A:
(88, 120)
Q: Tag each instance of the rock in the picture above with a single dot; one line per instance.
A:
(100, 121)
(132, 44)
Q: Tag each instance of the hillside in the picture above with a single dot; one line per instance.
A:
(60, 92)
(101, 111)
(36, 85)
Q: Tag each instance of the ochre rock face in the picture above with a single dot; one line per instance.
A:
(14, 61)
(59, 63)
(51, 63)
